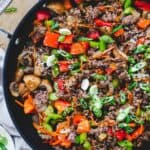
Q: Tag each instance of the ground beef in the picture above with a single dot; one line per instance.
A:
(40, 100)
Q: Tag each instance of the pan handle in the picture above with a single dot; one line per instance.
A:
(5, 33)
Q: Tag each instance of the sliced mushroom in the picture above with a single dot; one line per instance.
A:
(14, 89)
(47, 84)
(19, 74)
(32, 82)
(22, 89)
(37, 68)
(57, 7)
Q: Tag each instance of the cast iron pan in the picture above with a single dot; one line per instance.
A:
(23, 122)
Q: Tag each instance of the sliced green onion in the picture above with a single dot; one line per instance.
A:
(132, 85)
(117, 28)
(55, 71)
(122, 97)
(140, 49)
(93, 90)
(83, 58)
(64, 31)
(99, 77)
(137, 67)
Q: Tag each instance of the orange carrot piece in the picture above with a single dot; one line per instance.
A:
(67, 4)
(29, 106)
(140, 41)
(143, 23)
(19, 103)
(136, 133)
(119, 33)
(51, 39)
(61, 105)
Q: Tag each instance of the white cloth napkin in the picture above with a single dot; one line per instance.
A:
(5, 120)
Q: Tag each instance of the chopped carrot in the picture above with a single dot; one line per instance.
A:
(79, 48)
(51, 39)
(102, 8)
(61, 105)
(83, 126)
(119, 33)
(19, 103)
(130, 97)
(29, 106)
(64, 66)
(67, 4)
(112, 67)
(132, 125)
(68, 39)
(77, 119)
(135, 134)
(140, 41)
(143, 23)
(43, 130)
(66, 143)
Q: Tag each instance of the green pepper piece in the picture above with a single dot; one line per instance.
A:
(102, 45)
(67, 111)
(84, 39)
(87, 145)
(99, 77)
(55, 71)
(94, 44)
(129, 10)
(49, 110)
(53, 96)
(127, 3)
(54, 25)
(117, 28)
(83, 58)
(108, 100)
(48, 23)
(132, 85)
(48, 127)
(127, 145)
(10, 10)
(52, 117)
(140, 49)
(83, 137)
(131, 60)
(65, 54)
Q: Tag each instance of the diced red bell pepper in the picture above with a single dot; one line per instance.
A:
(61, 105)
(101, 23)
(60, 84)
(68, 39)
(78, 1)
(142, 5)
(77, 119)
(112, 67)
(94, 35)
(64, 46)
(64, 66)
(79, 48)
(42, 15)
(110, 131)
(51, 39)
(120, 135)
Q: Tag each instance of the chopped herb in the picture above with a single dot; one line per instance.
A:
(99, 77)
(84, 39)
(10, 10)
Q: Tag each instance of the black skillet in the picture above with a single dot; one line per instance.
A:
(23, 122)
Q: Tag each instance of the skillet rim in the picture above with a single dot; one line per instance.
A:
(5, 72)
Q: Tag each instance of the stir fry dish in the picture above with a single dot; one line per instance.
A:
(84, 75)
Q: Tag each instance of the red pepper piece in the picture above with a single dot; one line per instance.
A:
(42, 15)
(101, 23)
(64, 66)
(120, 135)
(60, 84)
(94, 35)
(142, 5)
